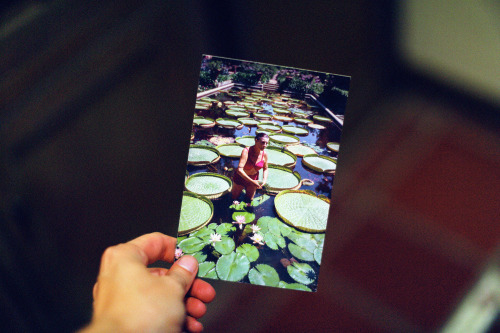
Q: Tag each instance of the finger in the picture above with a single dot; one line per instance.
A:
(158, 271)
(193, 325)
(94, 290)
(202, 290)
(195, 307)
(184, 271)
(156, 246)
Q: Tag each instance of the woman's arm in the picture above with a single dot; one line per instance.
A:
(264, 170)
(241, 165)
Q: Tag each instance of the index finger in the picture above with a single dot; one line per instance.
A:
(156, 246)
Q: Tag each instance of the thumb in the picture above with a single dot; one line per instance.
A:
(184, 271)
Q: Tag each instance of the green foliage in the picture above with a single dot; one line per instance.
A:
(249, 251)
(264, 275)
(232, 267)
(225, 245)
(245, 78)
(226, 229)
(295, 286)
(302, 273)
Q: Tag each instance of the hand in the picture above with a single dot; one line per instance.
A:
(256, 182)
(128, 296)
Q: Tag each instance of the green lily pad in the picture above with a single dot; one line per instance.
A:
(202, 121)
(248, 250)
(232, 267)
(318, 253)
(274, 241)
(295, 130)
(264, 275)
(257, 201)
(192, 245)
(260, 115)
(196, 212)
(303, 209)
(301, 272)
(205, 267)
(232, 150)
(249, 217)
(284, 138)
(279, 156)
(208, 184)
(283, 118)
(295, 286)
(225, 246)
(300, 150)
(200, 256)
(226, 229)
(319, 163)
(236, 113)
(202, 155)
(333, 146)
(281, 178)
(302, 121)
(300, 252)
(247, 140)
(269, 127)
(322, 119)
(249, 121)
(228, 123)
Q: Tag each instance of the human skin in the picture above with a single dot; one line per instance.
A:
(130, 297)
(260, 145)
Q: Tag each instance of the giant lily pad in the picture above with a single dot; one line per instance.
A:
(202, 155)
(303, 209)
(316, 126)
(295, 130)
(281, 178)
(246, 140)
(203, 122)
(333, 146)
(236, 113)
(196, 212)
(300, 150)
(287, 139)
(302, 120)
(322, 119)
(248, 121)
(264, 275)
(302, 273)
(319, 163)
(260, 115)
(278, 156)
(232, 267)
(300, 114)
(270, 127)
(211, 185)
(281, 111)
(232, 150)
(228, 123)
(282, 118)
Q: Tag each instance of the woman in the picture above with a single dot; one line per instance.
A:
(251, 161)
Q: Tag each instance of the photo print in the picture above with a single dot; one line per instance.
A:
(260, 172)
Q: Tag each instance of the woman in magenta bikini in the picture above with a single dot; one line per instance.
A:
(251, 161)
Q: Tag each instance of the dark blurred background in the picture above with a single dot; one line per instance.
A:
(96, 104)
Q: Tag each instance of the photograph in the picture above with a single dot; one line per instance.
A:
(260, 172)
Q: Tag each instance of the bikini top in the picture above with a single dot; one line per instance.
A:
(249, 165)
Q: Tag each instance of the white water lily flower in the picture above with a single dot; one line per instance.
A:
(240, 219)
(235, 202)
(255, 228)
(178, 253)
(257, 239)
(215, 237)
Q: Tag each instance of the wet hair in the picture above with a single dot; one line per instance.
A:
(261, 135)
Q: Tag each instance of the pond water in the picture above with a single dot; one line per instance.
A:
(317, 139)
